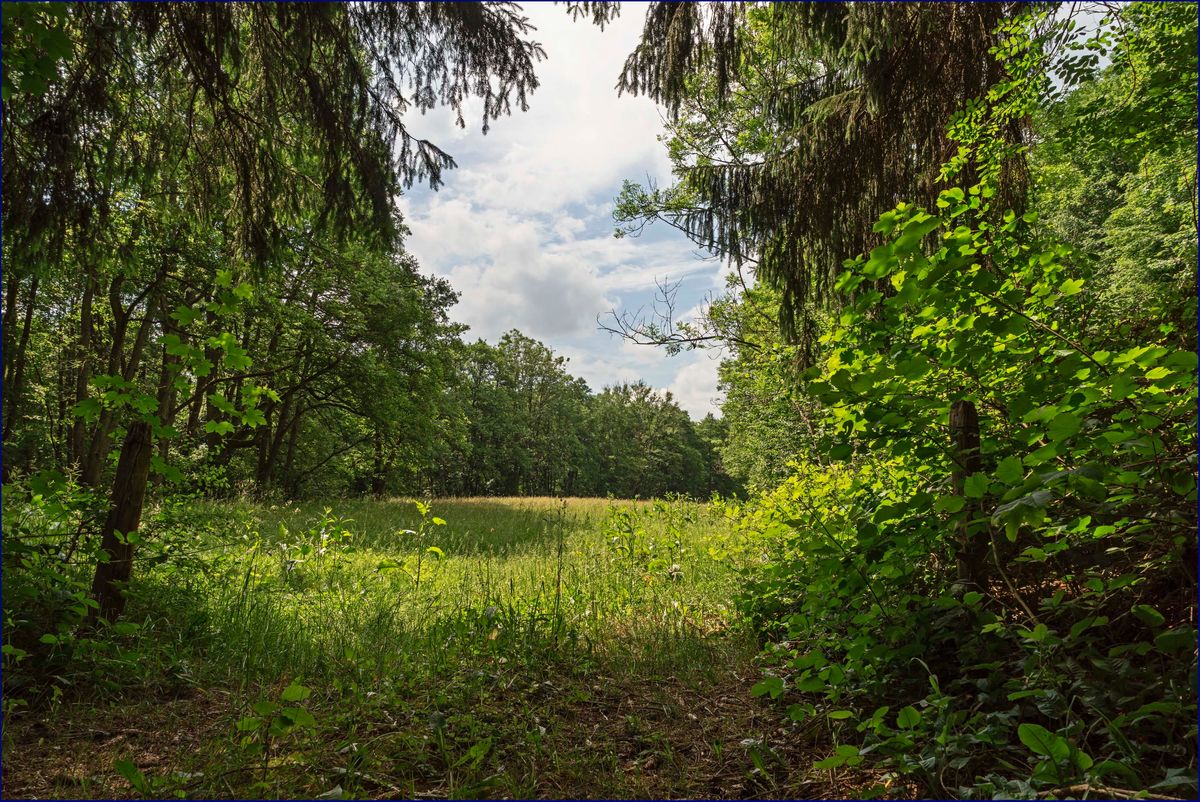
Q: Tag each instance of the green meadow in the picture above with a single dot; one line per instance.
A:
(471, 647)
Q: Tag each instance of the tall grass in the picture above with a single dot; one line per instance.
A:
(304, 590)
(453, 657)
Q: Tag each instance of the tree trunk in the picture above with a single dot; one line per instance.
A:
(124, 515)
(83, 375)
(10, 320)
(972, 545)
(166, 400)
(13, 386)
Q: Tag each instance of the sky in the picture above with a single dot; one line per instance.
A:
(523, 227)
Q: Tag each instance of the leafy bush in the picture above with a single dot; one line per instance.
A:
(1064, 652)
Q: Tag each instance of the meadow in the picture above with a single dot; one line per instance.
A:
(499, 647)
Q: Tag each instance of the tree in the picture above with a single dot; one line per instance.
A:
(166, 146)
(794, 126)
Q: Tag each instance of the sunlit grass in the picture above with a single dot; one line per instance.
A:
(319, 589)
(489, 655)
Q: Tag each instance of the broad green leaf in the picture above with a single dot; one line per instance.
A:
(1043, 742)
(772, 686)
(1063, 426)
(298, 716)
(908, 717)
(949, 503)
(1010, 470)
(976, 485)
(295, 693)
(1148, 615)
(130, 772)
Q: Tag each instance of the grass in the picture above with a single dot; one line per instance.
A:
(312, 589)
(490, 647)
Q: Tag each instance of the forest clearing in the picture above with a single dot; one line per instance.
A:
(524, 647)
(600, 400)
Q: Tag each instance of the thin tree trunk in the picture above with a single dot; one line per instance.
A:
(166, 400)
(289, 460)
(124, 515)
(13, 389)
(972, 545)
(83, 373)
(10, 320)
(117, 364)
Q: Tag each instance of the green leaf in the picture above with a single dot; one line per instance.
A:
(218, 426)
(185, 315)
(976, 485)
(949, 503)
(222, 403)
(1148, 615)
(1176, 640)
(1043, 742)
(1010, 470)
(840, 715)
(249, 724)
(908, 717)
(841, 452)
(1064, 425)
(88, 409)
(131, 773)
(1092, 621)
(295, 693)
(298, 716)
(476, 753)
(1071, 286)
(770, 685)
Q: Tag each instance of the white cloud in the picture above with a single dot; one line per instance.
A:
(695, 386)
(523, 228)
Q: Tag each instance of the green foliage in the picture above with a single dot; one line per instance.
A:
(35, 43)
(1084, 507)
(530, 428)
